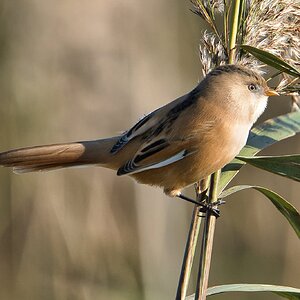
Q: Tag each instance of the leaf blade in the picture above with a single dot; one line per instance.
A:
(283, 291)
(284, 207)
(285, 165)
(271, 60)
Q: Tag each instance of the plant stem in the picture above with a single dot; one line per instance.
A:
(189, 255)
(234, 31)
(191, 244)
(210, 220)
(207, 241)
(208, 18)
(226, 23)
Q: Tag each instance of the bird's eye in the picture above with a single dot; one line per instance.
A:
(252, 87)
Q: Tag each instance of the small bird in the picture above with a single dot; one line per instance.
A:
(174, 146)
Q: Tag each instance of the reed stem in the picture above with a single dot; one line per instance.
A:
(210, 219)
(234, 31)
(189, 255)
(207, 241)
(191, 243)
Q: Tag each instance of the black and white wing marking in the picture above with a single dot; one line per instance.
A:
(131, 168)
(158, 154)
(130, 134)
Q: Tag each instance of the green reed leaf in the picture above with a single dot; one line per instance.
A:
(285, 165)
(271, 60)
(284, 207)
(283, 291)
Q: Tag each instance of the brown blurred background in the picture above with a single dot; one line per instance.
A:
(75, 70)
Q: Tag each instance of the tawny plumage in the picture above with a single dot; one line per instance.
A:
(173, 146)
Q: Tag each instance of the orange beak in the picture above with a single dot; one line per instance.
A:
(271, 92)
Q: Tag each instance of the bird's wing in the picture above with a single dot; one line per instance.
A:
(153, 124)
(155, 154)
(166, 136)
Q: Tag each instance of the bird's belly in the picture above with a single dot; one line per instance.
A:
(209, 156)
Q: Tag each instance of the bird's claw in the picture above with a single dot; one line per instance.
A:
(209, 208)
(212, 208)
(205, 207)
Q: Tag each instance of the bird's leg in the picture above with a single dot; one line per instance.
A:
(205, 207)
(191, 200)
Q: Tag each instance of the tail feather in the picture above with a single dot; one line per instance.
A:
(58, 156)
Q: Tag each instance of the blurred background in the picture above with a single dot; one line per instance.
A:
(75, 70)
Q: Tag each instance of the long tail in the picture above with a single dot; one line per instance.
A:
(59, 156)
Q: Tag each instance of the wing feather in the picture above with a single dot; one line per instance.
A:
(157, 154)
(139, 128)
(131, 168)
(161, 143)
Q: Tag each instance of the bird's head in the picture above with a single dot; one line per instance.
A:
(239, 90)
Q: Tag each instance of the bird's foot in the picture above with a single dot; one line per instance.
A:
(205, 207)
(212, 208)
